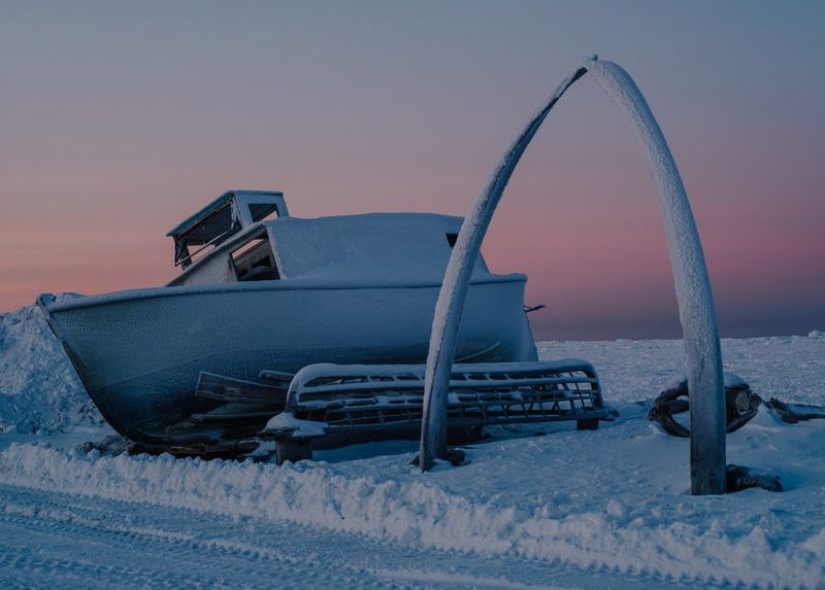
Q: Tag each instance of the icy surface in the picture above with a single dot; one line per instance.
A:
(604, 509)
(39, 390)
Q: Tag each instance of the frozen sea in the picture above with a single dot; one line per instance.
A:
(533, 507)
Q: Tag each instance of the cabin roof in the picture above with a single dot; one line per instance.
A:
(379, 245)
(271, 197)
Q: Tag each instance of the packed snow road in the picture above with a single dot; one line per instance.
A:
(57, 540)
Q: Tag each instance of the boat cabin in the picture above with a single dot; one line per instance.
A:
(249, 236)
(230, 213)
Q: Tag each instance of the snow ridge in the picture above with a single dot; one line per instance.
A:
(39, 390)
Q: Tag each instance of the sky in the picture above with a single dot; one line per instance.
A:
(121, 119)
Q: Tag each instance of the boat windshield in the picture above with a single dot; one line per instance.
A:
(253, 261)
(207, 233)
(224, 217)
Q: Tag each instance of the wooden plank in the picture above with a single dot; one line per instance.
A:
(281, 378)
(226, 389)
(293, 450)
(232, 416)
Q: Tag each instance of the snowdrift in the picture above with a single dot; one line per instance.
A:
(39, 390)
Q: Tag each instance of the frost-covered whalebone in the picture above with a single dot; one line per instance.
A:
(696, 309)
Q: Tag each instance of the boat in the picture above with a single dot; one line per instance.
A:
(261, 291)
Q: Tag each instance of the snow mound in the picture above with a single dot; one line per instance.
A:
(39, 390)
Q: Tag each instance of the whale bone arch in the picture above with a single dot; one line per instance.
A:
(693, 291)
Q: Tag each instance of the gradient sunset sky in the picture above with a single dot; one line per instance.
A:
(122, 118)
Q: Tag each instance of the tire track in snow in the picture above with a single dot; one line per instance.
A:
(50, 540)
(55, 540)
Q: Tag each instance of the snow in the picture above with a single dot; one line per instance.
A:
(603, 509)
(39, 390)
(376, 246)
(285, 421)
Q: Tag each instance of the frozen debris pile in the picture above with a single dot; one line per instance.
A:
(793, 413)
(39, 392)
(741, 404)
(743, 478)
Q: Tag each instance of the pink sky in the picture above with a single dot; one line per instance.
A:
(122, 120)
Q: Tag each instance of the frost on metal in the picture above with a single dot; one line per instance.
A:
(696, 309)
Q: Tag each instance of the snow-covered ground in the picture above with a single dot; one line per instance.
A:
(604, 509)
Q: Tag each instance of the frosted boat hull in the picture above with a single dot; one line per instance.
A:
(139, 353)
(260, 289)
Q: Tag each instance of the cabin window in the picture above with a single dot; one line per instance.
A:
(261, 211)
(205, 235)
(254, 261)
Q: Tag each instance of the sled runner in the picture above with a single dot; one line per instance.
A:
(329, 405)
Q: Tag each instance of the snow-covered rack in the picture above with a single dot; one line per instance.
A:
(330, 405)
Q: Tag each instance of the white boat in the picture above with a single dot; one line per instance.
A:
(261, 290)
